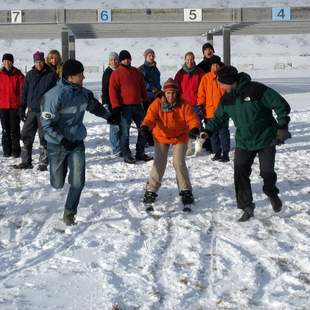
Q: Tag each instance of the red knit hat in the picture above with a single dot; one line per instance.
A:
(38, 56)
(171, 84)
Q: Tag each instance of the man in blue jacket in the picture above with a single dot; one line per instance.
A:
(62, 121)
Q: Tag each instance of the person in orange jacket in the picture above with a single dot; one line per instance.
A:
(172, 121)
(209, 95)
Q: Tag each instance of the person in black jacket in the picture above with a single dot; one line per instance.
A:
(208, 53)
(37, 82)
(115, 132)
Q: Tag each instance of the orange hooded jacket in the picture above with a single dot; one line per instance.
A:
(171, 127)
(209, 93)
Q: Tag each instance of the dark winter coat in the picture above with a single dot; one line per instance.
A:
(35, 85)
(105, 87)
(152, 79)
(250, 106)
(11, 83)
(205, 64)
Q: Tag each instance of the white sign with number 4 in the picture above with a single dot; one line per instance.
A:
(192, 15)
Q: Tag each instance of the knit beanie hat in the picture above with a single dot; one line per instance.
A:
(113, 55)
(8, 57)
(227, 75)
(207, 45)
(72, 67)
(38, 56)
(215, 60)
(124, 55)
(171, 84)
(148, 51)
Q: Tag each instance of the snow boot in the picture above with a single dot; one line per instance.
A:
(23, 165)
(276, 203)
(129, 160)
(187, 197)
(225, 157)
(247, 214)
(217, 157)
(42, 167)
(149, 197)
(69, 219)
(144, 157)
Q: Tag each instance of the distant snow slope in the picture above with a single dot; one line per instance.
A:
(117, 254)
(39, 4)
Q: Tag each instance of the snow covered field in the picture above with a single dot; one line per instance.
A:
(117, 254)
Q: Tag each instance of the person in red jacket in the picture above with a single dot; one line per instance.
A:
(172, 121)
(11, 82)
(188, 79)
(127, 95)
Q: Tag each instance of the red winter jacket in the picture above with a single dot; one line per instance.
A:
(10, 88)
(127, 87)
(189, 84)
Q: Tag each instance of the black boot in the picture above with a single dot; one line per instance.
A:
(148, 199)
(129, 160)
(217, 156)
(69, 219)
(276, 203)
(144, 157)
(247, 214)
(23, 165)
(225, 157)
(187, 197)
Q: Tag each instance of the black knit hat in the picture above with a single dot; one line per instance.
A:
(215, 60)
(207, 45)
(227, 75)
(124, 55)
(72, 67)
(8, 57)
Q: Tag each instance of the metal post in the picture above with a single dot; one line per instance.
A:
(71, 46)
(65, 45)
(226, 45)
(210, 37)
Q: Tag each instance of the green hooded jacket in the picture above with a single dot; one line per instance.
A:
(250, 105)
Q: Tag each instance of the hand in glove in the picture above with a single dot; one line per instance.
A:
(69, 146)
(194, 133)
(114, 119)
(282, 135)
(22, 114)
(144, 130)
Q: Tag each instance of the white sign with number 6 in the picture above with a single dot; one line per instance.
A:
(104, 16)
(192, 15)
(16, 17)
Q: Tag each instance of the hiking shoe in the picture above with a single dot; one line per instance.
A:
(217, 157)
(42, 167)
(69, 219)
(144, 157)
(23, 166)
(247, 214)
(276, 203)
(129, 160)
(187, 197)
(149, 197)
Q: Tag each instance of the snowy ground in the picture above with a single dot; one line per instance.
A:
(117, 254)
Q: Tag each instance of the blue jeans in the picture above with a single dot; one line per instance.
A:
(115, 138)
(131, 113)
(199, 110)
(220, 140)
(60, 160)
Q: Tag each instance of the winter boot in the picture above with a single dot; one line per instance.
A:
(247, 214)
(276, 203)
(187, 197)
(144, 157)
(149, 197)
(129, 160)
(69, 219)
(225, 157)
(23, 165)
(217, 157)
(42, 167)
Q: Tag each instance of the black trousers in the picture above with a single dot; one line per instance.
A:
(31, 126)
(242, 171)
(10, 132)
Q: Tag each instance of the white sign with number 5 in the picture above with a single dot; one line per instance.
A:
(192, 15)
(16, 17)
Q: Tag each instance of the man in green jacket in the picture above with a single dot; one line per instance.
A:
(250, 105)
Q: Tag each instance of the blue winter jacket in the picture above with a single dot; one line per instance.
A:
(63, 112)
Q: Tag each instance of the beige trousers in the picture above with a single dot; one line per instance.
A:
(160, 163)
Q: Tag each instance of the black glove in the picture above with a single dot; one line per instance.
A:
(194, 133)
(282, 135)
(144, 130)
(22, 114)
(69, 146)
